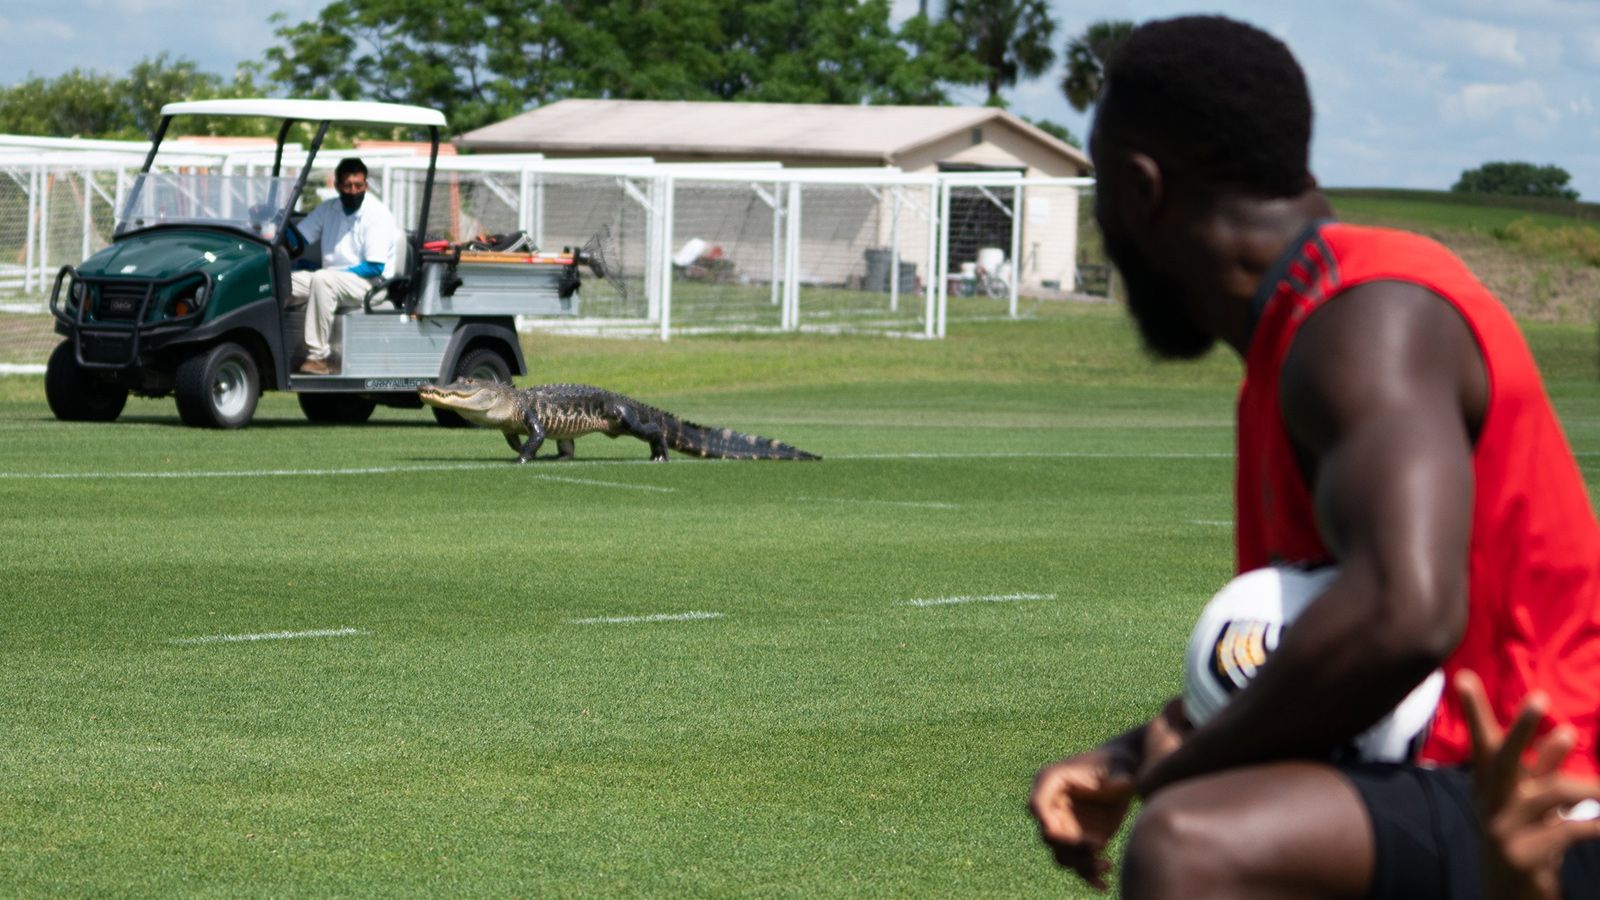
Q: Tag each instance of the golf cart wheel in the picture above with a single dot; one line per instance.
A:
(76, 395)
(218, 387)
(482, 365)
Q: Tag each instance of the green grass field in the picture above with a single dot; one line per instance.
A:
(474, 727)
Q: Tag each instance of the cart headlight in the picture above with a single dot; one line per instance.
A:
(189, 300)
(77, 292)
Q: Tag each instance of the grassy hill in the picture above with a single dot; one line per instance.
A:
(1542, 257)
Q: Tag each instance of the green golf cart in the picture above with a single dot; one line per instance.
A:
(192, 296)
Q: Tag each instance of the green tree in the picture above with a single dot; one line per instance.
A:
(77, 104)
(1009, 38)
(91, 104)
(397, 51)
(154, 82)
(489, 59)
(1055, 130)
(1087, 55)
(836, 51)
(1517, 179)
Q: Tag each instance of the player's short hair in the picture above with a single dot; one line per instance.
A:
(1216, 101)
(348, 166)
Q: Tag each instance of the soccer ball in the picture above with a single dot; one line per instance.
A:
(1241, 626)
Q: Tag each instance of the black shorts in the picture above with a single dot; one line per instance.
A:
(1427, 836)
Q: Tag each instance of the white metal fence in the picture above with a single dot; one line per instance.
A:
(694, 248)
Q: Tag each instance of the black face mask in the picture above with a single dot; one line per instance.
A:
(352, 202)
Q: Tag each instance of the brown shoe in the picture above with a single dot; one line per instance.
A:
(316, 367)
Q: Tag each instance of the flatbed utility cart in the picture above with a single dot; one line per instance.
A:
(191, 297)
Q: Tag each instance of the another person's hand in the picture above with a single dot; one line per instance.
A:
(1080, 803)
(1524, 834)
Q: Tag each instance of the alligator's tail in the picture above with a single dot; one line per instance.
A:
(725, 443)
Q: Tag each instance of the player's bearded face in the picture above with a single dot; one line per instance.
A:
(1156, 303)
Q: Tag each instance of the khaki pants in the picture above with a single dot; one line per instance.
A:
(326, 290)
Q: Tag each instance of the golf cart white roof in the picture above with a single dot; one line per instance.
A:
(311, 111)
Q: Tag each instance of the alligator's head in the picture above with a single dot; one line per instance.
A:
(483, 402)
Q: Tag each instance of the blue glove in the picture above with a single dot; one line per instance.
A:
(368, 269)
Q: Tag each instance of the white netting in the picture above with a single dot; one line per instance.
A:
(738, 262)
(686, 252)
(50, 215)
(558, 211)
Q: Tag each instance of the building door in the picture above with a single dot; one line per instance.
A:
(979, 217)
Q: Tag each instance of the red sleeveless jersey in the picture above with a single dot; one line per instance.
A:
(1534, 568)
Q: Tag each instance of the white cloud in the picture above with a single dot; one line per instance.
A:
(120, 8)
(1481, 102)
(1494, 43)
(1523, 104)
(1522, 9)
(1408, 73)
(34, 31)
(1588, 44)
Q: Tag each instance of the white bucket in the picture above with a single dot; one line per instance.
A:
(689, 252)
(990, 259)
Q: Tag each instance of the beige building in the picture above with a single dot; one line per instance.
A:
(915, 139)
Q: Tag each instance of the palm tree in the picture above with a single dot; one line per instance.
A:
(1010, 38)
(1086, 61)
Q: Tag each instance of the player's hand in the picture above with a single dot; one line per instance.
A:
(1519, 806)
(1080, 803)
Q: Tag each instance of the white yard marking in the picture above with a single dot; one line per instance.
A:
(20, 368)
(508, 467)
(1065, 454)
(1219, 523)
(250, 473)
(658, 617)
(268, 636)
(916, 503)
(612, 484)
(980, 598)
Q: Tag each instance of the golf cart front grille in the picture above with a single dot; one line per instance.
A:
(121, 301)
(106, 347)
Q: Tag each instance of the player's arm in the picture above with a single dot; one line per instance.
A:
(1380, 393)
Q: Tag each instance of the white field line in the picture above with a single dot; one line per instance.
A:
(1219, 523)
(658, 617)
(21, 369)
(981, 598)
(1066, 454)
(251, 473)
(916, 503)
(463, 467)
(268, 636)
(611, 484)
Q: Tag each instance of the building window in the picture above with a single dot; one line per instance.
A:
(977, 136)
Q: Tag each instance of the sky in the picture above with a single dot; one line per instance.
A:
(1408, 93)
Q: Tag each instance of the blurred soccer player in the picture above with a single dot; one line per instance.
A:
(1391, 420)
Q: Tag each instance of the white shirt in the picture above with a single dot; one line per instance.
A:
(350, 239)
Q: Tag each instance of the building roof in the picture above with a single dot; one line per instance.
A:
(311, 111)
(741, 130)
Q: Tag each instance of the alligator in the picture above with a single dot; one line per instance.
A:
(566, 412)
